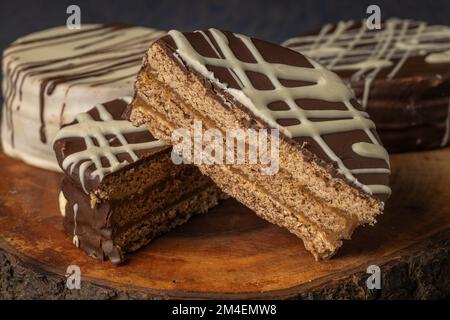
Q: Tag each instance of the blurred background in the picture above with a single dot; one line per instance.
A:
(274, 20)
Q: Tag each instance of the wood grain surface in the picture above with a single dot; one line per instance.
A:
(225, 254)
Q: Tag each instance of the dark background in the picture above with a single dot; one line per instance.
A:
(274, 20)
(270, 20)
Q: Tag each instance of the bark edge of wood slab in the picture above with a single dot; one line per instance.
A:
(410, 276)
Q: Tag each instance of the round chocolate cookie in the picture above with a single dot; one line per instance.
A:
(400, 73)
(51, 76)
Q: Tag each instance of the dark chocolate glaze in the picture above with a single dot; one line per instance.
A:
(340, 143)
(92, 226)
(410, 109)
(68, 146)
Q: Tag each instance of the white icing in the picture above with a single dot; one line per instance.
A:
(62, 203)
(21, 109)
(89, 129)
(328, 86)
(368, 64)
(75, 239)
(441, 57)
(325, 52)
(369, 51)
(370, 150)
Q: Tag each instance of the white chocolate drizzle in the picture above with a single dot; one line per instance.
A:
(327, 86)
(75, 240)
(89, 129)
(370, 150)
(440, 57)
(62, 203)
(347, 47)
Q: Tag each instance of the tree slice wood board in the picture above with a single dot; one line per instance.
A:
(225, 254)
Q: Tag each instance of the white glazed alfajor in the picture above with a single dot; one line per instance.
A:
(51, 76)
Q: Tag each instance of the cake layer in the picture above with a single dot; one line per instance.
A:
(158, 196)
(213, 115)
(275, 199)
(400, 72)
(52, 75)
(290, 191)
(94, 229)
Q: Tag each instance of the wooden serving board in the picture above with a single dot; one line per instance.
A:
(223, 254)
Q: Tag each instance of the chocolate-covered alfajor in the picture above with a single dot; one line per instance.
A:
(400, 73)
(333, 172)
(50, 76)
(121, 189)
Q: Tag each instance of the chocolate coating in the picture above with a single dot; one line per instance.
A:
(92, 226)
(340, 143)
(408, 97)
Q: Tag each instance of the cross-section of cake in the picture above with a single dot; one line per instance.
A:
(121, 188)
(333, 172)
